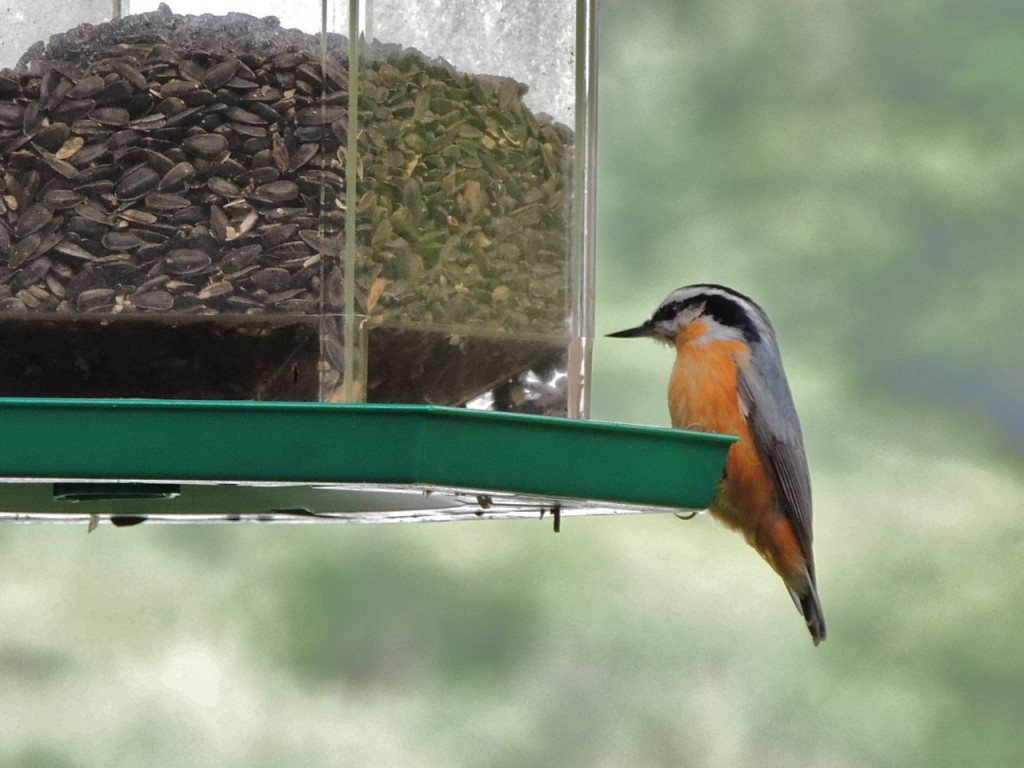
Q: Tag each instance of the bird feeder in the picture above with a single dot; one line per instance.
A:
(305, 230)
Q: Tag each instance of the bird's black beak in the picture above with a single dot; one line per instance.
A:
(647, 329)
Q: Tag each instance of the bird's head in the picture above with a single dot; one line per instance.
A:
(706, 312)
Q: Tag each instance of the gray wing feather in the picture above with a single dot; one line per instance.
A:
(766, 400)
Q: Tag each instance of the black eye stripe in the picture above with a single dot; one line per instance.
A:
(729, 312)
(724, 308)
(668, 311)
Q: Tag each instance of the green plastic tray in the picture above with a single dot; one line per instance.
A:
(168, 459)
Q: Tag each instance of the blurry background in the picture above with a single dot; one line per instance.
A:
(858, 168)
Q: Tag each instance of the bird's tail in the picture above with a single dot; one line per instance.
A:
(807, 603)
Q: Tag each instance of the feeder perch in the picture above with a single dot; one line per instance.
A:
(300, 462)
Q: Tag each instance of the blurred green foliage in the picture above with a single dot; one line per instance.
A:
(857, 168)
(382, 616)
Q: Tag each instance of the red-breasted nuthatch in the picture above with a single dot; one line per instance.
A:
(728, 378)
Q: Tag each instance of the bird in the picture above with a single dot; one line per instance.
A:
(728, 378)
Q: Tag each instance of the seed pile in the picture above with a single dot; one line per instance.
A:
(164, 165)
(131, 356)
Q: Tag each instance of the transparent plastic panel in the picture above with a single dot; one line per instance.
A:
(305, 15)
(27, 23)
(221, 201)
(532, 42)
(471, 257)
(160, 236)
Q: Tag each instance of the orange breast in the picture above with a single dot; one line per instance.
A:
(702, 392)
(703, 395)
